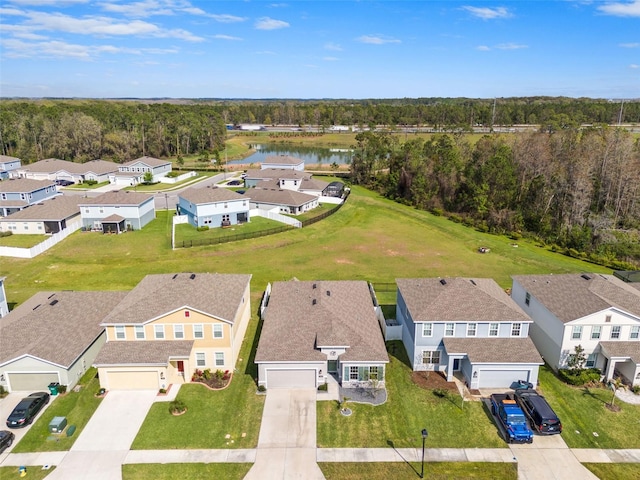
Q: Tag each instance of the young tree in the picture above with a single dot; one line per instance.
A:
(577, 359)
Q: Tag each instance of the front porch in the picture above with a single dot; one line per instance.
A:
(622, 361)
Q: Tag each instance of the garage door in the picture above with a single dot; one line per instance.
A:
(22, 382)
(501, 378)
(291, 379)
(132, 380)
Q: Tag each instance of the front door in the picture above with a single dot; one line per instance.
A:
(456, 364)
(332, 366)
(180, 365)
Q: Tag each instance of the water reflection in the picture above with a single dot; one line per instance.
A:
(310, 155)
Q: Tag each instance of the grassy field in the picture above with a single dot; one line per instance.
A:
(188, 233)
(410, 471)
(171, 471)
(583, 414)
(408, 410)
(76, 406)
(615, 471)
(22, 241)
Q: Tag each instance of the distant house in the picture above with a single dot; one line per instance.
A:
(117, 211)
(53, 337)
(19, 193)
(4, 306)
(50, 216)
(283, 161)
(283, 177)
(466, 326)
(8, 165)
(282, 201)
(314, 329)
(133, 172)
(213, 207)
(601, 313)
(55, 169)
(169, 326)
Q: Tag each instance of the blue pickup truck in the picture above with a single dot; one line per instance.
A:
(510, 419)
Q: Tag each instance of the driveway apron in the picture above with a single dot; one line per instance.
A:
(100, 450)
(287, 442)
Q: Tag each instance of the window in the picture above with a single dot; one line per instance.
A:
(591, 360)
(607, 319)
(516, 329)
(373, 373)
(217, 330)
(178, 332)
(159, 331)
(120, 335)
(139, 332)
(430, 357)
(448, 329)
(493, 329)
(200, 360)
(527, 298)
(576, 332)
(353, 373)
(596, 331)
(615, 332)
(635, 332)
(198, 331)
(471, 329)
(427, 329)
(219, 359)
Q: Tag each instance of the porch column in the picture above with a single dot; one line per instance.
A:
(610, 368)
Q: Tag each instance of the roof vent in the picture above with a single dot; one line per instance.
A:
(192, 276)
(174, 277)
(314, 286)
(54, 302)
(314, 301)
(585, 276)
(443, 281)
(50, 296)
(328, 293)
(473, 281)
(36, 307)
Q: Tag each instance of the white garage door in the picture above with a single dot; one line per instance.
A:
(501, 378)
(291, 379)
(132, 380)
(22, 382)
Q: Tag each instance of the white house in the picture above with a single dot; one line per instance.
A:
(117, 211)
(8, 165)
(283, 161)
(213, 207)
(133, 172)
(47, 217)
(56, 169)
(282, 200)
(601, 313)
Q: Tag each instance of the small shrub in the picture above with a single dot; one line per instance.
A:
(172, 174)
(440, 392)
(207, 374)
(219, 374)
(3, 392)
(436, 211)
(90, 182)
(8, 233)
(162, 390)
(323, 387)
(262, 388)
(62, 389)
(203, 228)
(579, 377)
(177, 406)
(636, 389)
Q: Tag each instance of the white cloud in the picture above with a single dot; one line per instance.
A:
(278, 5)
(483, 48)
(11, 11)
(487, 13)
(377, 39)
(145, 8)
(45, 3)
(634, 66)
(630, 45)
(331, 59)
(510, 46)
(226, 37)
(621, 9)
(224, 18)
(266, 23)
(333, 46)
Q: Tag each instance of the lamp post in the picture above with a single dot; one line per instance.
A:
(424, 437)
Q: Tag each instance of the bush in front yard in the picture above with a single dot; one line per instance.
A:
(579, 377)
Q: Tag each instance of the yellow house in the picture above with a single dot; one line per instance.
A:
(171, 325)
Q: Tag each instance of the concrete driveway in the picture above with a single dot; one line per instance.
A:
(287, 442)
(7, 404)
(100, 450)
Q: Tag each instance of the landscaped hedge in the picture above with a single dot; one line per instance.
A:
(580, 377)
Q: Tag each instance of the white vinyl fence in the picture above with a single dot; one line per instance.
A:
(41, 247)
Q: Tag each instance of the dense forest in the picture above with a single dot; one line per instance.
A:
(574, 182)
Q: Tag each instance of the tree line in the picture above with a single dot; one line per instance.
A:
(578, 189)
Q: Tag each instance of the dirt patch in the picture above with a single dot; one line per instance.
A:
(433, 380)
(344, 261)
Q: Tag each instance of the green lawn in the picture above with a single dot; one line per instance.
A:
(186, 233)
(171, 471)
(22, 241)
(76, 406)
(408, 410)
(432, 471)
(615, 471)
(84, 186)
(33, 472)
(234, 411)
(582, 412)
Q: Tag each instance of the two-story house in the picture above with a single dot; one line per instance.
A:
(283, 161)
(8, 165)
(315, 329)
(117, 211)
(466, 325)
(601, 313)
(133, 172)
(213, 207)
(169, 326)
(19, 193)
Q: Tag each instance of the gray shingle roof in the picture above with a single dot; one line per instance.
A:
(53, 165)
(200, 196)
(57, 333)
(313, 184)
(151, 352)
(278, 173)
(571, 296)
(24, 185)
(290, 198)
(56, 208)
(494, 350)
(294, 325)
(630, 349)
(458, 299)
(216, 294)
(118, 197)
(282, 160)
(149, 161)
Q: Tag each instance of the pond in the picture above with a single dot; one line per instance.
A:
(310, 155)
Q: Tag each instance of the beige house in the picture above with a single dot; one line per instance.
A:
(168, 326)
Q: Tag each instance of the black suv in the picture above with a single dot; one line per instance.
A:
(27, 409)
(542, 417)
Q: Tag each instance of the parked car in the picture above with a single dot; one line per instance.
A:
(234, 183)
(541, 416)
(6, 439)
(510, 419)
(64, 183)
(27, 409)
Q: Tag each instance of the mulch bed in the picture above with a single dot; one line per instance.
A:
(214, 383)
(433, 380)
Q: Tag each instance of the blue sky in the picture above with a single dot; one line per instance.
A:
(313, 49)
